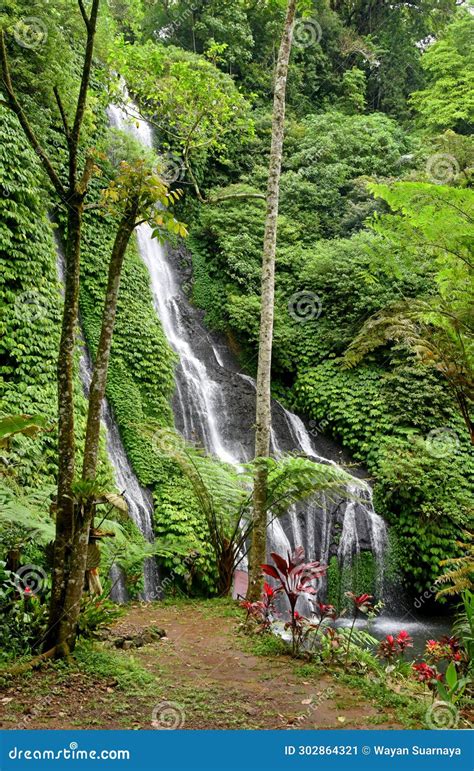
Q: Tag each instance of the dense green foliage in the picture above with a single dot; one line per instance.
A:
(141, 373)
(333, 274)
(367, 107)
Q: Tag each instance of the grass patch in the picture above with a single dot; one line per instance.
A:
(307, 671)
(220, 607)
(269, 645)
(407, 710)
(122, 667)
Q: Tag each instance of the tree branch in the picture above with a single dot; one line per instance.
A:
(14, 105)
(81, 100)
(231, 196)
(84, 14)
(217, 198)
(62, 112)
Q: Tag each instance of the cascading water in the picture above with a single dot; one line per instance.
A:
(214, 405)
(139, 501)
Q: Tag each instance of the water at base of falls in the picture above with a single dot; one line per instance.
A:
(214, 406)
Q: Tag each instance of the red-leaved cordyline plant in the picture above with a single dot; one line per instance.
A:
(294, 577)
(392, 647)
(361, 604)
(261, 610)
(388, 648)
(404, 641)
(426, 674)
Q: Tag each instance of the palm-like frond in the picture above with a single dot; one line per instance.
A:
(30, 513)
(460, 573)
(294, 478)
(225, 493)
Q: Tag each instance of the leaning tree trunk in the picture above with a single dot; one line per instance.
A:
(84, 515)
(263, 407)
(101, 364)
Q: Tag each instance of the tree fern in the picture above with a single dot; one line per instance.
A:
(224, 493)
(437, 337)
(460, 573)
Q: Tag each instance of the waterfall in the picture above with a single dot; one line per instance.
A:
(139, 501)
(214, 405)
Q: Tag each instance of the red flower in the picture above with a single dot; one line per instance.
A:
(27, 590)
(326, 610)
(387, 648)
(361, 601)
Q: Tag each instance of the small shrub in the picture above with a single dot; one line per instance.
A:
(97, 613)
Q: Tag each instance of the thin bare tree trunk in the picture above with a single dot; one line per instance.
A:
(65, 513)
(101, 364)
(69, 519)
(263, 407)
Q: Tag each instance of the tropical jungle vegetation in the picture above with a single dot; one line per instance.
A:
(310, 170)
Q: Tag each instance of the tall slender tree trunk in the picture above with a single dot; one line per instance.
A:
(65, 515)
(84, 515)
(101, 364)
(263, 406)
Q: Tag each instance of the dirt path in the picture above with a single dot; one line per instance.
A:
(201, 675)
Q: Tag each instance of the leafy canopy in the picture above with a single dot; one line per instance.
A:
(447, 101)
